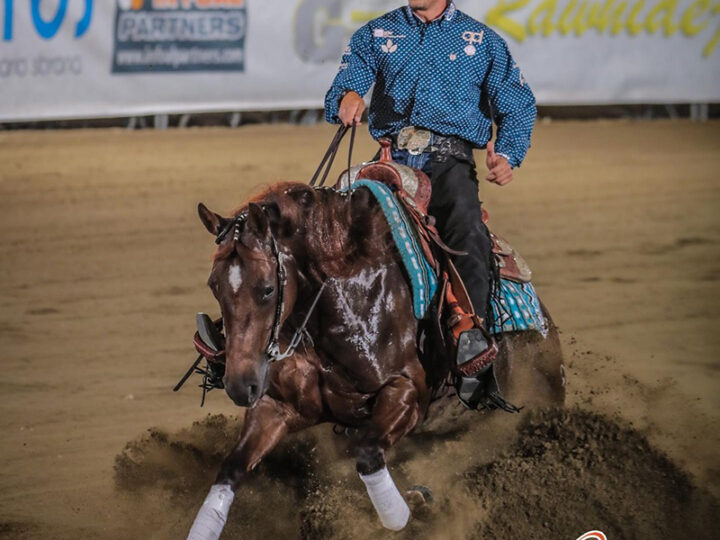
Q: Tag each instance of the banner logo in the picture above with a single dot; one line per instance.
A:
(523, 19)
(179, 36)
(47, 18)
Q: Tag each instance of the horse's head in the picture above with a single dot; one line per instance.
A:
(255, 283)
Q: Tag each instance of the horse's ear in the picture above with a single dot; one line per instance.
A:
(272, 211)
(257, 227)
(213, 222)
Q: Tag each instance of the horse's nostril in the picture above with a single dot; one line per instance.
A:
(252, 392)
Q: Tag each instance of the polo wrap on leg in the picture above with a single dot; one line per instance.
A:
(213, 513)
(389, 504)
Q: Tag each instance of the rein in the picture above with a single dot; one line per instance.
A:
(332, 151)
(273, 349)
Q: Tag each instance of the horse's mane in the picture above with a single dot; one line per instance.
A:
(338, 233)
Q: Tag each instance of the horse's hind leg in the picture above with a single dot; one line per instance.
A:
(397, 410)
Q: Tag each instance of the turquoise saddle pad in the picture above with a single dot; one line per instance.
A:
(516, 307)
(422, 277)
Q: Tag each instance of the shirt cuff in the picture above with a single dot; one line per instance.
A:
(507, 158)
(510, 154)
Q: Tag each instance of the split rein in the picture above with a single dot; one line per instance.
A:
(332, 151)
(212, 376)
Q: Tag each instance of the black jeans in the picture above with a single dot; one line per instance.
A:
(458, 211)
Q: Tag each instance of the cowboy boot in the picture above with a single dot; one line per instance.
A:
(476, 384)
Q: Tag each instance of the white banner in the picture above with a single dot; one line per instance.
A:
(98, 58)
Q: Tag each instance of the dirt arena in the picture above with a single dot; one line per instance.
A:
(104, 262)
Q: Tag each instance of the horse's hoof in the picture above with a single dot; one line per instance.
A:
(418, 497)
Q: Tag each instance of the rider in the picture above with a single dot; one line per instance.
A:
(441, 78)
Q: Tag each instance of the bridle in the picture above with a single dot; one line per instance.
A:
(272, 350)
(212, 378)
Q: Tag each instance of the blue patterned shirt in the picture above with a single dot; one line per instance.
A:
(451, 76)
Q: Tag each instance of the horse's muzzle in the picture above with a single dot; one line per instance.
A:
(246, 388)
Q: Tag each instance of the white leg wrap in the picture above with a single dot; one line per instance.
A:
(389, 504)
(213, 513)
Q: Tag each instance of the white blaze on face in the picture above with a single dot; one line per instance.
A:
(234, 277)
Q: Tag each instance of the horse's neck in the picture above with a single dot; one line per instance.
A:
(363, 328)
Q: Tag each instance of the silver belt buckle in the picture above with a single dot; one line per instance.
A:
(414, 140)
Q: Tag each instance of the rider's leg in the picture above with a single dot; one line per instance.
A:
(458, 212)
(398, 408)
(457, 209)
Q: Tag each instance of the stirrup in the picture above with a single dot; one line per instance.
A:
(210, 332)
(475, 384)
(476, 350)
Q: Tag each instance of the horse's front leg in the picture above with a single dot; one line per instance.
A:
(397, 410)
(266, 424)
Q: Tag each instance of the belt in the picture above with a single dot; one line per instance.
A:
(418, 140)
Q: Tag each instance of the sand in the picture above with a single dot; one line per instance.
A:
(104, 262)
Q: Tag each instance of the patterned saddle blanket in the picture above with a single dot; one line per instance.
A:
(516, 307)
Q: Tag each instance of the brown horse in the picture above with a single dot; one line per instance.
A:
(364, 369)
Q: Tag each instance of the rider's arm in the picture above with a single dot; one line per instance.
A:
(357, 72)
(512, 101)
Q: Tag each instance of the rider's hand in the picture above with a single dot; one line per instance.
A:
(351, 108)
(500, 171)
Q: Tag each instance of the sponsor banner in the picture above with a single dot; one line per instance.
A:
(164, 36)
(95, 58)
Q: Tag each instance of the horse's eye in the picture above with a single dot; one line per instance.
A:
(268, 291)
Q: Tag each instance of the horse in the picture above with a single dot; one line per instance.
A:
(323, 260)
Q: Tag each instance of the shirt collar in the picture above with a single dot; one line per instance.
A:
(447, 15)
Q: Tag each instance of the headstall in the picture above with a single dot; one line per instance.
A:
(212, 376)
